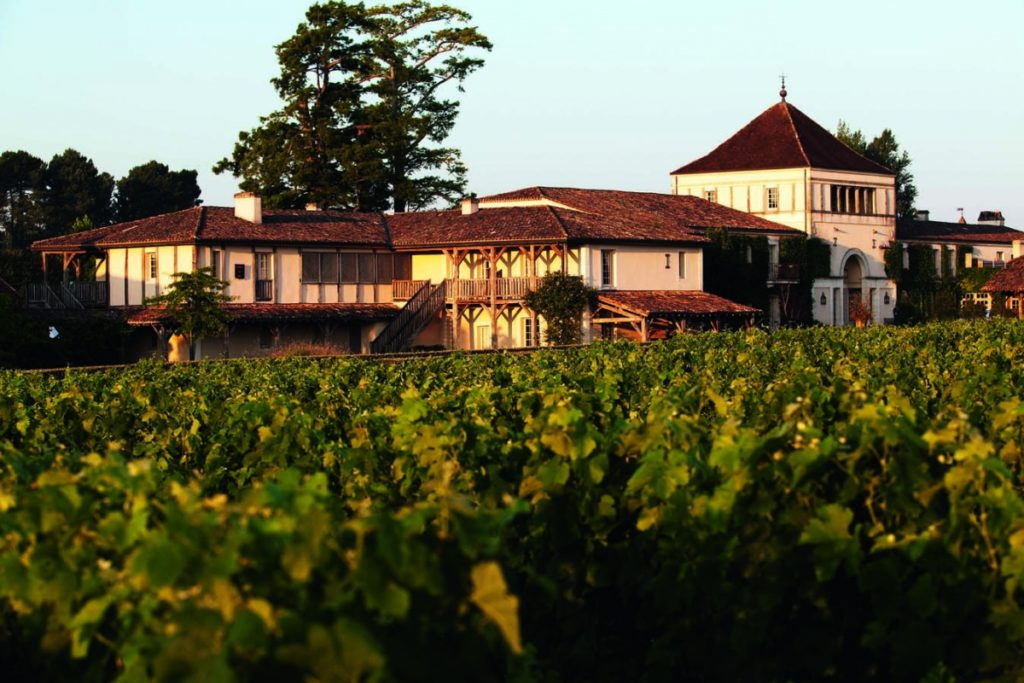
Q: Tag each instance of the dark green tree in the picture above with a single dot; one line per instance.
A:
(75, 189)
(153, 188)
(561, 299)
(21, 182)
(193, 305)
(885, 150)
(364, 115)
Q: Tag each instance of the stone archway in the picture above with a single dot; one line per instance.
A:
(853, 284)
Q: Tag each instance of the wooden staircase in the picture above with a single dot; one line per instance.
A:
(421, 308)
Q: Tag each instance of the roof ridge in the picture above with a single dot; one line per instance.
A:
(387, 229)
(796, 134)
(558, 219)
(200, 223)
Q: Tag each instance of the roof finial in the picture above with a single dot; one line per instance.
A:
(782, 92)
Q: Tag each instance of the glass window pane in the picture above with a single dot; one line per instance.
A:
(349, 270)
(310, 267)
(366, 269)
(329, 268)
(384, 268)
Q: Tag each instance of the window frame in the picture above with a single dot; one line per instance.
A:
(682, 265)
(711, 195)
(607, 268)
(771, 198)
(152, 266)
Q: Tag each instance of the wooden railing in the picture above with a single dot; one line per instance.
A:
(414, 316)
(505, 288)
(403, 290)
(264, 290)
(90, 294)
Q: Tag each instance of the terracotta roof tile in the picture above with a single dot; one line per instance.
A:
(966, 233)
(294, 226)
(487, 226)
(652, 303)
(283, 312)
(1009, 279)
(782, 137)
(218, 225)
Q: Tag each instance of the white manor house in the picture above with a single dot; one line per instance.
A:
(457, 279)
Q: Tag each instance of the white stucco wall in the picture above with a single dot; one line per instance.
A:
(639, 268)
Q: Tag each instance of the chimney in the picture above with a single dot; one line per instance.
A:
(991, 218)
(312, 206)
(470, 205)
(248, 207)
(921, 215)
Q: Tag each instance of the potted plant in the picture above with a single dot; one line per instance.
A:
(859, 313)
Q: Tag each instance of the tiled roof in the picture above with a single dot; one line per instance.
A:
(283, 313)
(295, 226)
(966, 233)
(487, 226)
(675, 303)
(218, 225)
(1009, 279)
(782, 137)
(531, 215)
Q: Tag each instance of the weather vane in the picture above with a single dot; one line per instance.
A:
(782, 93)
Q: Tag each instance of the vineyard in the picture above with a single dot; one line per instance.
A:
(802, 505)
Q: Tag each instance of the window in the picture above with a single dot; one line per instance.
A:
(999, 256)
(239, 271)
(528, 332)
(853, 200)
(349, 268)
(215, 262)
(366, 268)
(711, 195)
(607, 267)
(319, 267)
(682, 265)
(668, 261)
(150, 265)
(403, 267)
(385, 268)
(773, 198)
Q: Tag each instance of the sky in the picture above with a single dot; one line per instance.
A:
(581, 93)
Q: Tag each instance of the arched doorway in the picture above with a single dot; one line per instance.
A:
(853, 284)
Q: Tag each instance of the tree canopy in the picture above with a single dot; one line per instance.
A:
(152, 188)
(75, 189)
(561, 299)
(884, 149)
(192, 302)
(364, 114)
(21, 180)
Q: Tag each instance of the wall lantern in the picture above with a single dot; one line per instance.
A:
(668, 261)
(835, 241)
(886, 299)
(823, 300)
(239, 271)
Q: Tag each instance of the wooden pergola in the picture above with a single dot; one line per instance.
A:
(1009, 282)
(652, 313)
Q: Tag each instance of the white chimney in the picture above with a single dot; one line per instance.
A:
(248, 207)
(470, 205)
(921, 215)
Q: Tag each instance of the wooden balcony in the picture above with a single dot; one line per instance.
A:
(403, 290)
(472, 289)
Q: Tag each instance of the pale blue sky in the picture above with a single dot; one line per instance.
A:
(582, 93)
